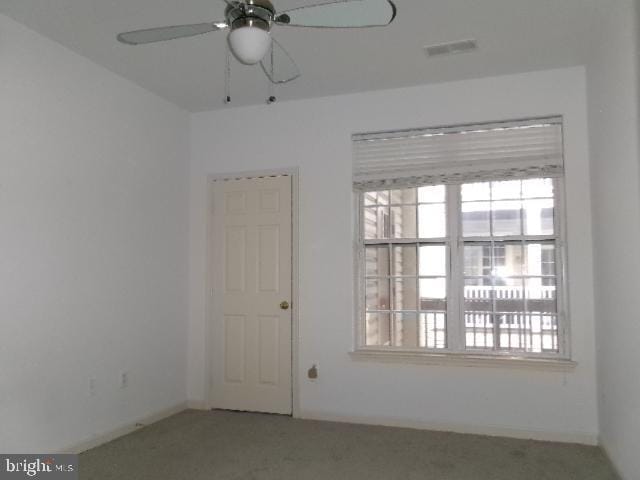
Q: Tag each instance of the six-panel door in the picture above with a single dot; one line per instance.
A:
(251, 279)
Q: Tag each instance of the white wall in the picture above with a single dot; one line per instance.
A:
(93, 242)
(314, 135)
(613, 116)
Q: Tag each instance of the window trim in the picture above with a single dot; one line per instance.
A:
(456, 354)
(463, 360)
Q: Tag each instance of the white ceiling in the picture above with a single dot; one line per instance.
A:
(513, 35)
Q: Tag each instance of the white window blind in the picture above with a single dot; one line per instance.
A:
(454, 155)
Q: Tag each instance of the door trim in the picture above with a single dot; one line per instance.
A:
(210, 294)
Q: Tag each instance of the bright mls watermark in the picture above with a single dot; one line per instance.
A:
(51, 467)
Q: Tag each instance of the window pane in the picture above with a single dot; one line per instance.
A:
(377, 294)
(479, 332)
(509, 295)
(510, 190)
(533, 333)
(377, 261)
(477, 260)
(404, 294)
(537, 188)
(376, 198)
(403, 221)
(432, 222)
(506, 218)
(549, 333)
(540, 259)
(377, 330)
(507, 260)
(538, 217)
(472, 192)
(407, 195)
(513, 330)
(478, 295)
(433, 330)
(405, 330)
(548, 259)
(433, 293)
(433, 288)
(376, 222)
(541, 297)
(432, 194)
(404, 260)
(433, 260)
(476, 219)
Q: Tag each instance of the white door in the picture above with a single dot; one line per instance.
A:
(251, 295)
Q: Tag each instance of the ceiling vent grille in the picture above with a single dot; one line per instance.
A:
(452, 48)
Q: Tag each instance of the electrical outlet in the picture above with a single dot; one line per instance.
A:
(91, 385)
(313, 374)
(124, 379)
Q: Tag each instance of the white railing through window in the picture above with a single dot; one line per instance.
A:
(505, 292)
(531, 331)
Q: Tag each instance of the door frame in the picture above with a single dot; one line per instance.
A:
(211, 298)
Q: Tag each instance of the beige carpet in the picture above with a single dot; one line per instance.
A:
(195, 445)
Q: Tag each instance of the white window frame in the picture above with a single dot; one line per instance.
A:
(456, 353)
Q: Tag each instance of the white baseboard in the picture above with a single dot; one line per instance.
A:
(197, 405)
(102, 438)
(583, 438)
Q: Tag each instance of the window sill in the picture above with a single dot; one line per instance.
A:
(464, 360)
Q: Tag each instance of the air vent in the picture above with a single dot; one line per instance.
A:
(450, 48)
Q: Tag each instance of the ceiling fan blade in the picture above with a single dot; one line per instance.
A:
(161, 34)
(278, 64)
(341, 14)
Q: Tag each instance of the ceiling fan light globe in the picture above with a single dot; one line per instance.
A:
(249, 44)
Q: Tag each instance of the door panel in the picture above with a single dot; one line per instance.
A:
(251, 333)
(269, 258)
(269, 349)
(235, 258)
(234, 342)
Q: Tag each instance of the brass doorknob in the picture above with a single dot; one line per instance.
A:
(284, 305)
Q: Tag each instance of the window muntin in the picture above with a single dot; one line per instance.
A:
(502, 294)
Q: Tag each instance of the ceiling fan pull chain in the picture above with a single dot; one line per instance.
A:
(272, 95)
(227, 78)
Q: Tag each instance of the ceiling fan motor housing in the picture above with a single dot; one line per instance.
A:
(253, 13)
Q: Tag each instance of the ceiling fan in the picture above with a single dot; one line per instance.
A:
(250, 23)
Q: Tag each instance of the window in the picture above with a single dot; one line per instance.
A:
(462, 267)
